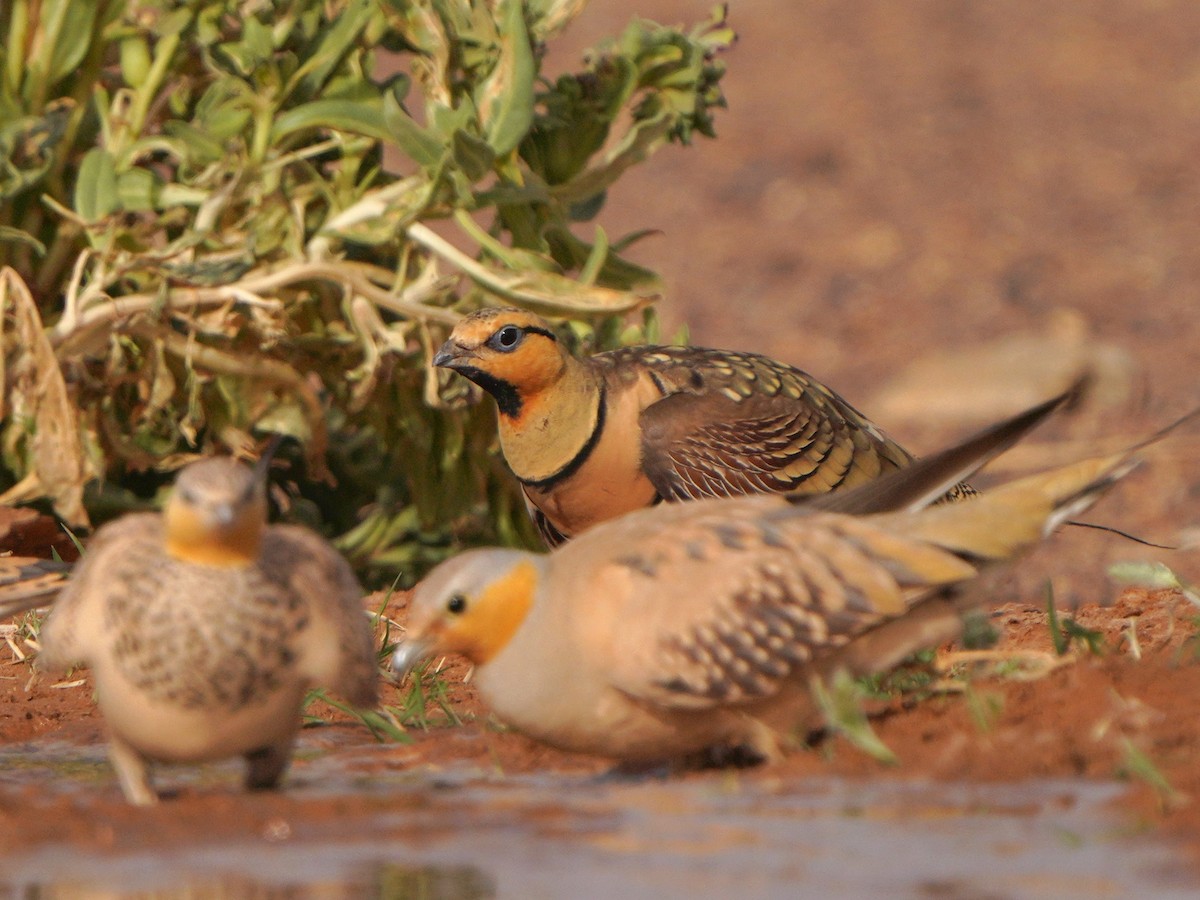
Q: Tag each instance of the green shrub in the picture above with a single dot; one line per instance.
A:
(215, 223)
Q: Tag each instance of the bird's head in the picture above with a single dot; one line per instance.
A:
(217, 512)
(470, 605)
(510, 353)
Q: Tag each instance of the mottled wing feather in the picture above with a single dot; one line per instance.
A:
(773, 599)
(928, 478)
(62, 644)
(311, 568)
(736, 424)
(545, 528)
(214, 637)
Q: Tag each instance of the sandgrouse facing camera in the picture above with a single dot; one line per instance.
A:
(591, 439)
(204, 628)
(697, 625)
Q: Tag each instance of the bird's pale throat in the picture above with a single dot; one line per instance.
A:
(555, 427)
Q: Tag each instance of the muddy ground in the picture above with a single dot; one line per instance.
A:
(940, 209)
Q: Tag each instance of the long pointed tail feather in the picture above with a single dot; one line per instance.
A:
(1000, 523)
(928, 478)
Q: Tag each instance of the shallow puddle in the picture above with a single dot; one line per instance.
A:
(459, 833)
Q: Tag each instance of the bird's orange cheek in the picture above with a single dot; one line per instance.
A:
(445, 636)
(531, 373)
(495, 616)
(478, 638)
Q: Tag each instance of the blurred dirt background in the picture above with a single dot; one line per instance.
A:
(943, 210)
(946, 209)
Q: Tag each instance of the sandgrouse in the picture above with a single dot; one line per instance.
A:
(204, 628)
(688, 627)
(591, 439)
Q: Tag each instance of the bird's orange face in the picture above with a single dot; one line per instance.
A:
(216, 514)
(471, 605)
(512, 354)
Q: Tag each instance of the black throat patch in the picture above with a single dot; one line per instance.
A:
(508, 400)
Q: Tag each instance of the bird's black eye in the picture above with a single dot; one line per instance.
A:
(507, 338)
(457, 605)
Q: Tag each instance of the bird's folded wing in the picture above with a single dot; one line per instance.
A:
(930, 477)
(319, 575)
(713, 445)
(741, 605)
(91, 580)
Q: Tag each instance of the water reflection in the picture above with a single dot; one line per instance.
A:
(466, 835)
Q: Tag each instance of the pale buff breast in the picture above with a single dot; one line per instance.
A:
(169, 732)
(559, 690)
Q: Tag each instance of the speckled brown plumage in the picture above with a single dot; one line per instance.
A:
(204, 629)
(696, 625)
(737, 423)
(591, 439)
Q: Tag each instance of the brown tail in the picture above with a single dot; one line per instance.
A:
(929, 478)
(1000, 523)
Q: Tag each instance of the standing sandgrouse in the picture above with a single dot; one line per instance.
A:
(591, 439)
(691, 626)
(204, 628)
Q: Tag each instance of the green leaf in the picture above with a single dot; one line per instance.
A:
(200, 145)
(1135, 763)
(225, 109)
(596, 259)
(505, 99)
(335, 43)
(72, 32)
(365, 117)
(254, 49)
(96, 187)
(571, 253)
(473, 156)
(421, 146)
(586, 210)
(445, 120)
(137, 190)
(1154, 575)
(16, 235)
(135, 60)
(841, 704)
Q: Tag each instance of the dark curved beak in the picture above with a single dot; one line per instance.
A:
(410, 654)
(453, 355)
(263, 466)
